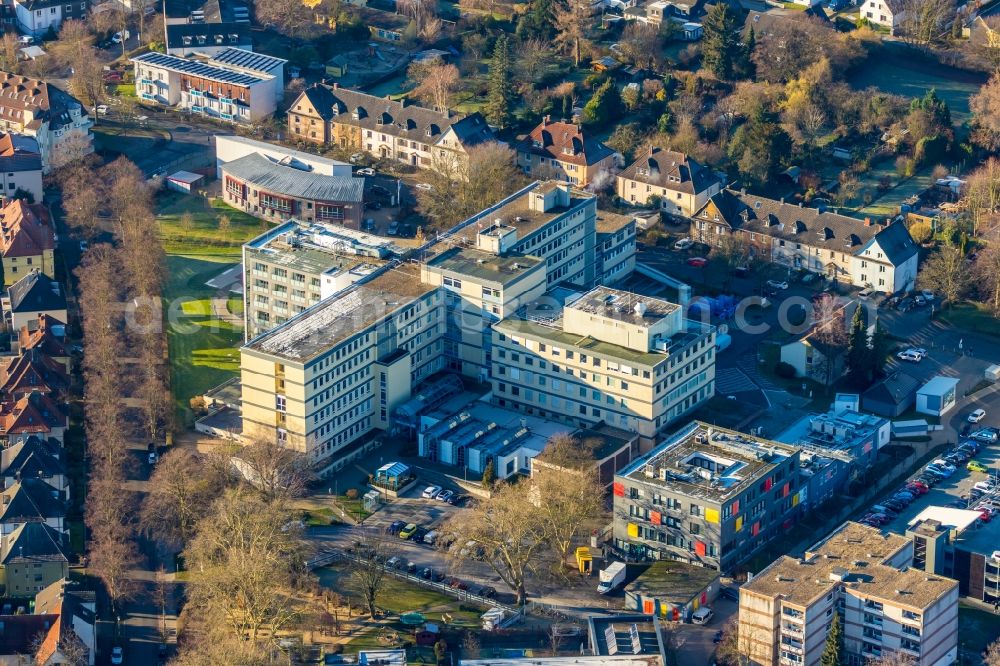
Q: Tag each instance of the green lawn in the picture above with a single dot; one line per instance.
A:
(972, 317)
(399, 596)
(203, 236)
(204, 351)
(979, 628)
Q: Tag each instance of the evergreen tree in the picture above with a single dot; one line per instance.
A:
(501, 93)
(537, 21)
(720, 47)
(489, 476)
(745, 66)
(759, 147)
(834, 644)
(567, 108)
(604, 106)
(858, 351)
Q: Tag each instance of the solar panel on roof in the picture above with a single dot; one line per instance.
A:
(633, 633)
(611, 640)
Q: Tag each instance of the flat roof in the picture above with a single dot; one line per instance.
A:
(938, 385)
(609, 223)
(600, 660)
(317, 329)
(624, 306)
(672, 581)
(282, 179)
(856, 554)
(515, 212)
(620, 627)
(708, 462)
(196, 68)
(515, 325)
(501, 270)
(306, 259)
(948, 517)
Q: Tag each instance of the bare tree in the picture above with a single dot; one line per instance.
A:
(9, 47)
(946, 273)
(985, 107)
(87, 82)
(181, 490)
(926, 21)
(72, 148)
(894, 658)
(567, 492)
(113, 557)
(642, 44)
(986, 275)
(461, 187)
(368, 569)
(509, 534)
(573, 28)
(741, 643)
(277, 472)
(246, 558)
(436, 83)
(69, 649)
(991, 656)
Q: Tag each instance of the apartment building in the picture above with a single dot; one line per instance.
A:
(707, 496)
(629, 361)
(480, 288)
(295, 265)
(20, 167)
(852, 251)
(37, 17)
(681, 185)
(27, 241)
(563, 151)
(615, 247)
(183, 39)
(226, 86)
(55, 119)
(549, 220)
(336, 372)
(885, 605)
(383, 128)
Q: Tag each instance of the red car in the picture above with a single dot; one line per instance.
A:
(918, 486)
(985, 516)
(697, 262)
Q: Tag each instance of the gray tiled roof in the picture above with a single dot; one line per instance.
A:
(33, 542)
(672, 170)
(36, 293)
(279, 179)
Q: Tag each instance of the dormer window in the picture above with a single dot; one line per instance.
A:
(186, 40)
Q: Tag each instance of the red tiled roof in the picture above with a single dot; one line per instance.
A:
(25, 229)
(564, 142)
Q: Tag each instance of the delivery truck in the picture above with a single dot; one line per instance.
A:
(611, 577)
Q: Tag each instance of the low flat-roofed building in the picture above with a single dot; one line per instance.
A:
(610, 356)
(672, 590)
(603, 447)
(295, 265)
(886, 606)
(706, 495)
(638, 635)
(615, 247)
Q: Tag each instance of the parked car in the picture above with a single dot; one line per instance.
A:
(151, 458)
(683, 244)
(777, 284)
(430, 492)
(488, 592)
(987, 435)
(865, 294)
(944, 464)
(427, 187)
(408, 531)
(357, 157)
(393, 228)
(905, 304)
(395, 527)
(393, 562)
(445, 495)
(367, 171)
(102, 109)
(117, 656)
(908, 355)
(427, 573)
(939, 470)
(697, 262)
(927, 294)
(977, 415)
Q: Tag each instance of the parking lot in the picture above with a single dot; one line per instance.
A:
(953, 491)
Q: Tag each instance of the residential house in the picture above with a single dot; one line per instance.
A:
(278, 191)
(39, 17)
(227, 86)
(32, 557)
(887, 606)
(55, 119)
(680, 184)
(34, 458)
(31, 297)
(31, 372)
(31, 501)
(20, 167)
(33, 415)
(184, 39)
(20, 636)
(706, 495)
(384, 128)
(27, 240)
(886, 13)
(47, 335)
(817, 353)
(857, 252)
(562, 151)
(76, 610)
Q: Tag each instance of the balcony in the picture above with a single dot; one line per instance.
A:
(791, 630)
(794, 647)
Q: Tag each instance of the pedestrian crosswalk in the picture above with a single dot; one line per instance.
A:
(732, 380)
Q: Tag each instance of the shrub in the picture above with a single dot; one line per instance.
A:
(785, 370)
(351, 494)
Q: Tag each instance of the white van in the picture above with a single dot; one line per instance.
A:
(703, 615)
(430, 537)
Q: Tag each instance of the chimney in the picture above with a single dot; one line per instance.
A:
(546, 120)
(800, 204)
(868, 221)
(336, 85)
(743, 191)
(782, 199)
